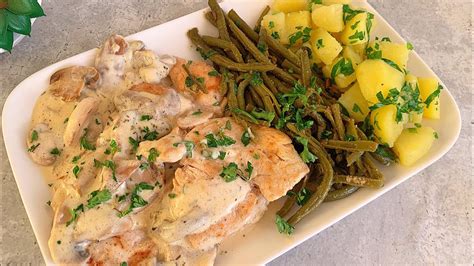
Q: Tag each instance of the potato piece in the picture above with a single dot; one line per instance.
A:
(377, 76)
(355, 31)
(275, 25)
(386, 128)
(355, 103)
(331, 2)
(349, 52)
(430, 88)
(398, 53)
(288, 6)
(360, 49)
(413, 144)
(329, 18)
(297, 21)
(325, 46)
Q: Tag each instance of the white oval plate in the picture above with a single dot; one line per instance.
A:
(264, 243)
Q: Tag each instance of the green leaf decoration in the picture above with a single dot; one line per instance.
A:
(6, 41)
(37, 10)
(21, 7)
(3, 22)
(19, 23)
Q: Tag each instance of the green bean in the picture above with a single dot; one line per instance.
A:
(288, 65)
(241, 92)
(341, 193)
(228, 46)
(193, 34)
(220, 19)
(267, 100)
(256, 98)
(231, 96)
(269, 83)
(210, 17)
(239, 22)
(353, 146)
(339, 125)
(278, 48)
(239, 46)
(371, 169)
(262, 45)
(259, 21)
(358, 181)
(353, 157)
(281, 87)
(321, 192)
(305, 68)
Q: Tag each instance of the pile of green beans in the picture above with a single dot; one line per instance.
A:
(256, 70)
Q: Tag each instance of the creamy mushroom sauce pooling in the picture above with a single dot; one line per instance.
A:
(146, 168)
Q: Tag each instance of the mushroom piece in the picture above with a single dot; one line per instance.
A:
(79, 120)
(43, 145)
(68, 83)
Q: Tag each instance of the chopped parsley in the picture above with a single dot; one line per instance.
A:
(108, 164)
(433, 96)
(150, 135)
(152, 155)
(229, 172)
(349, 137)
(302, 124)
(222, 155)
(135, 143)
(32, 148)
(306, 155)
(385, 152)
(271, 24)
(356, 108)
(245, 137)
(392, 64)
(198, 112)
(189, 82)
(228, 125)
(97, 121)
(304, 35)
(275, 35)
(97, 197)
(76, 170)
(144, 166)
(303, 196)
(189, 145)
(200, 80)
(85, 144)
(220, 140)
(213, 73)
(435, 135)
(410, 46)
(412, 130)
(206, 55)
(145, 117)
(34, 135)
(172, 195)
(283, 226)
(326, 134)
(113, 147)
(319, 44)
(55, 152)
(249, 171)
(349, 13)
(343, 66)
(75, 213)
(136, 200)
(262, 47)
(256, 79)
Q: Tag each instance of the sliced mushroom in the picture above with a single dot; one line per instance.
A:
(42, 145)
(68, 83)
(79, 120)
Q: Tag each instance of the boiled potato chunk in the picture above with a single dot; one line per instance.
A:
(355, 31)
(329, 18)
(275, 24)
(398, 53)
(325, 46)
(377, 76)
(296, 21)
(413, 144)
(350, 53)
(331, 2)
(360, 49)
(288, 6)
(386, 128)
(428, 87)
(355, 103)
